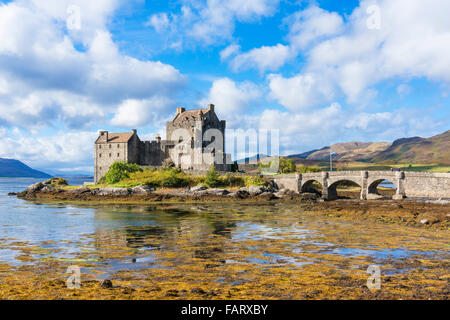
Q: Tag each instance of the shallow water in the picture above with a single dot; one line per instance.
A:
(105, 240)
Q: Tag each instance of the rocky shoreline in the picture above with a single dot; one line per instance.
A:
(425, 214)
(45, 190)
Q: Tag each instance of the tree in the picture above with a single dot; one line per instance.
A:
(119, 171)
(212, 177)
(287, 166)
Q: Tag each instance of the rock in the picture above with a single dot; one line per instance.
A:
(48, 188)
(198, 291)
(106, 284)
(256, 191)
(267, 196)
(374, 196)
(35, 187)
(113, 192)
(56, 182)
(81, 190)
(424, 221)
(201, 193)
(218, 192)
(309, 196)
(198, 188)
(141, 190)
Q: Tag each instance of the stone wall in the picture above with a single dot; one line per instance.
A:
(105, 155)
(408, 184)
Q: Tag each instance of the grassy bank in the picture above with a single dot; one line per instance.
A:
(175, 178)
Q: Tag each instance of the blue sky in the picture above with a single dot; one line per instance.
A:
(320, 72)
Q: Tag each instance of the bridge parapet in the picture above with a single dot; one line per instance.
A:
(408, 184)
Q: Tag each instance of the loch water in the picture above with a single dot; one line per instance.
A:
(149, 236)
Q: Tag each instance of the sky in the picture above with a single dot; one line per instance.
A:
(320, 72)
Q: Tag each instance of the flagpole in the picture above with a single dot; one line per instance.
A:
(331, 162)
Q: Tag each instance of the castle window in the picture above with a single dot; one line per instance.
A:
(110, 155)
(99, 146)
(118, 155)
(118, 145)
(110, 146)
(99, 155)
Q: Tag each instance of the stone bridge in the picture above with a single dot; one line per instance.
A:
(408, 184)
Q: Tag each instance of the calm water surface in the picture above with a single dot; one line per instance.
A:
(114, 238)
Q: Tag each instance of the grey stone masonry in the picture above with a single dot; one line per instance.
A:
(408, 184)
(200, 128)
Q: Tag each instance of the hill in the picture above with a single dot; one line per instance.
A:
(11, 168)
(417, 150)
(347, 151)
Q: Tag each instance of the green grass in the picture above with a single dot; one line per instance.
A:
(175, 178)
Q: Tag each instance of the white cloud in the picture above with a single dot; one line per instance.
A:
(264, 58)
(413, 41)
(53, 81)
(59, 150)
(159, 21)
(140, 112)
(230, 98)
(229, 51)
(301, 91)
(311, 25)
(209, 22)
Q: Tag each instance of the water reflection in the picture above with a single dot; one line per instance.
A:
(109, 239)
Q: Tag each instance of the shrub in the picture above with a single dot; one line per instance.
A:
(212, 178)
(120, 171)
(287, 166)
(232, 181)
(256, 181)
(306, 169)
(172, 178)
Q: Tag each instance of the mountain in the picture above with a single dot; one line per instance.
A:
(305, 155)
(434, 150)
(348, 151)
(11, 168)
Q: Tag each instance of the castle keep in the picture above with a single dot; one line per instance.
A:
(195, 141)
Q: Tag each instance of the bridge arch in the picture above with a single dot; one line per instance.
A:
(372, 186)
(308, 186)
(332, 188)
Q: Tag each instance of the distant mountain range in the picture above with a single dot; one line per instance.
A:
(434, 150)
(11, 168)
(347, 151)
(417, 150)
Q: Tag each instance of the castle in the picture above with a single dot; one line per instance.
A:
(195, 141)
